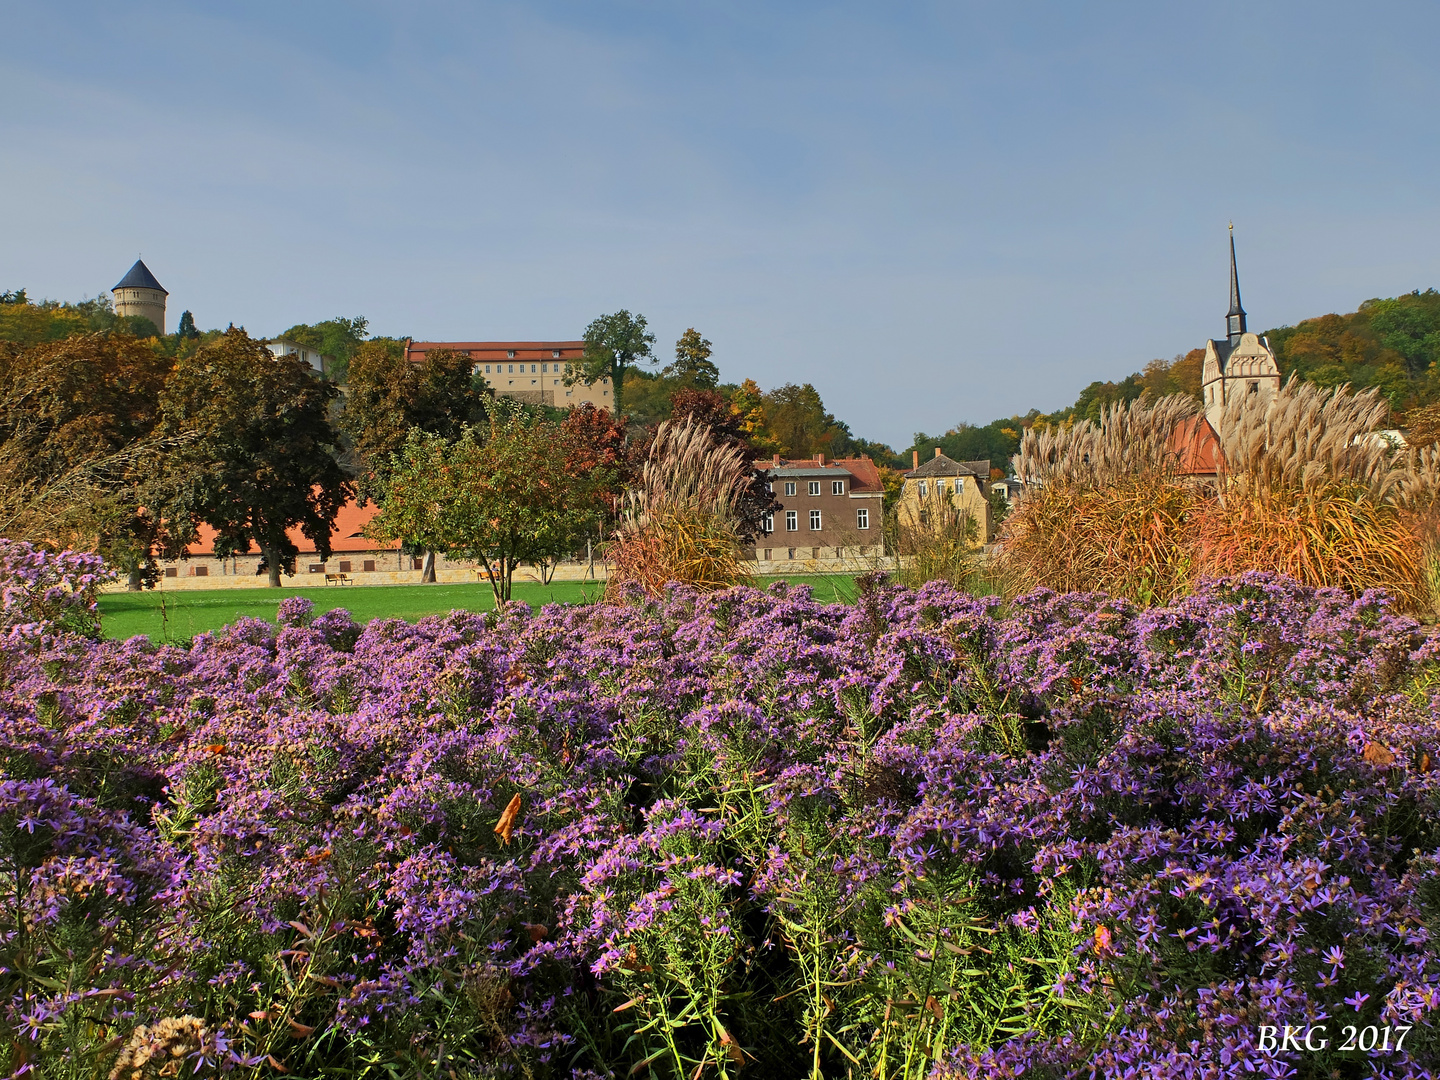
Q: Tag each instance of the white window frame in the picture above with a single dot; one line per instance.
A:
(837, 487)
(792, 520)
(767, 525)
(814, 488)
(920, 488)
(790, 487)
(862, 518)
(815, 521)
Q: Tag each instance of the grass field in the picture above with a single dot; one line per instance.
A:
(179, 616)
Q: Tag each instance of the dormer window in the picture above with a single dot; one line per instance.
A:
(555, 354)
(510, 353)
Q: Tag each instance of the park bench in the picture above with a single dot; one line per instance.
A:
(338, 579)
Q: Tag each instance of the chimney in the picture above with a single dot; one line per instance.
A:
(820, 459)
(937, 451)
(777, 461)
(914, 459)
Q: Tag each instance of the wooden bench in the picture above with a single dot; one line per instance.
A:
(338, 579)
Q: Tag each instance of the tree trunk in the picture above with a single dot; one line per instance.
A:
(272, 566)
(134, 584)
(427, 576)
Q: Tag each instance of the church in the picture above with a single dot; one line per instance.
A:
(1240, 363)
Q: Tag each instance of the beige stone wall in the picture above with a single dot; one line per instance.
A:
(545, 385)
(147, 303)
(207, 572)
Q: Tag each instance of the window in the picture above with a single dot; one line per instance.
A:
(369, 566)
(417, 564)
(790, 487)
(920, 487)
(814, 487)
(317, 568)
(814, 520)
(837, 487)
(544, 369)
(555, 355)
(862, 519)
(792, 520)
(1254, 388)
(512, 367)
(172, 571)
(769, 523)
(510, 353)
(959, 485)
(487, 369)
(532, 369)
(345, 567)
(201, 571)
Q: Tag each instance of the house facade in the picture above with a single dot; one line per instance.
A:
(828, 510)
(285, 347)
(943, 485)
(530, 371)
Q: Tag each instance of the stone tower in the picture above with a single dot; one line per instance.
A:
(140, 294)
(1240, 363)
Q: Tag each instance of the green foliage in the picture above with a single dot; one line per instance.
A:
(1388, 344)
(515, 497)
(186, 329)
(614, 344)
(693, 366)
(337, 339)
(27, 322)
(256, 454)
(388, 396)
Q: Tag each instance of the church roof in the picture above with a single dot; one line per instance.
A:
(140, 277)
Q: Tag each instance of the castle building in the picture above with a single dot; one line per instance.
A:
(138, 293)
(530, 371)
(1240, 363)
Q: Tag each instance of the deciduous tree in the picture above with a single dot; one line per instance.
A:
(613, 345)
(693, 366)
(260, 458)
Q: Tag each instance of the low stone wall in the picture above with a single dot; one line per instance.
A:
(444, 574)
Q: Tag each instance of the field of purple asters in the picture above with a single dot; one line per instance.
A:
(924, 835)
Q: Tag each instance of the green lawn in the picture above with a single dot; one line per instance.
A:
(179, 616)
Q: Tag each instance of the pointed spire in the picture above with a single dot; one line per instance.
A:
(1235, 318)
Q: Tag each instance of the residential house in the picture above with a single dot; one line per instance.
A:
(529, 371)
(828, 510)
(943, 484)
(286, 347)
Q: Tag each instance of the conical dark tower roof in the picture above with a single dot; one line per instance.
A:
(140, 277)
(1235, 317)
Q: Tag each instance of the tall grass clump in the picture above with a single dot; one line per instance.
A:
(1308, 491)
(1106, 508)
(941, 546)
(682, 523)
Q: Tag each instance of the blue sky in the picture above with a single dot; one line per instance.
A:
(933, 212)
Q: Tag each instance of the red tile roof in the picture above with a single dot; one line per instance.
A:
(866, 474)
(346, 536)
(499, 350)
(1198, 447)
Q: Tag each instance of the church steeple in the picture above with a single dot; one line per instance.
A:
(1235, 318)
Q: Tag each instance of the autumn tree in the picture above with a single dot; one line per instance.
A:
(77, 446)
(509, 499)
(260, 455)
(388, 395)
(693, 366)
(613, 345)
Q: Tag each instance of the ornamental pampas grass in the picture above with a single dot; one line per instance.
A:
(1308, 491)
(682, 523)
(1105, 509)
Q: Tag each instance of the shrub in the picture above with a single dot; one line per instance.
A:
(707, 833)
